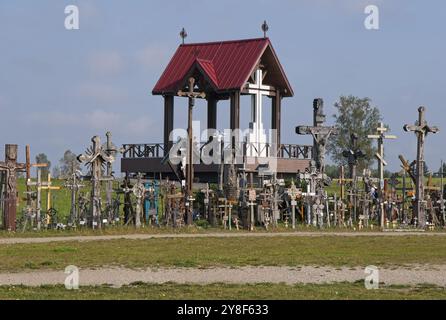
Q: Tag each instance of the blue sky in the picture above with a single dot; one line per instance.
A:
(58, 87)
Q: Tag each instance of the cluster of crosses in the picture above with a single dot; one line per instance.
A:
(314, 202)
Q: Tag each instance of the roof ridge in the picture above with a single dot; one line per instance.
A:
(223, 42)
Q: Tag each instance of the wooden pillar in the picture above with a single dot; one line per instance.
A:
(212, 112)
(235, 114)
(276, 111)
(168, 121)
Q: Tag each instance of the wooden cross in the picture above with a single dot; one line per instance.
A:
(39, 186)
(11, 167)
(320, 133)
(294, 193)
(421, 129)
(73, 184)
(192, 95)
(48, 186)
(380, 136)
(353, 155)
(95, 157)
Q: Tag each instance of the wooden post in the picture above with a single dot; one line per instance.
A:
(276, 111)
(421, 129)
(11, 167)
(168, 121)
(235, 116)
(212, 112)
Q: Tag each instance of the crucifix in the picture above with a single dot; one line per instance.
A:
(256, 138)
(73, 184)
(320, 133)
(353, 155)
(421, 129)
(95, 157)
(380, 136)
(192, 95)
(11, 167)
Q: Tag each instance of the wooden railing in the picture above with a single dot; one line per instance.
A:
(286, 151)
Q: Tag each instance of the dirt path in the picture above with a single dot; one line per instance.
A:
(215, 235)
(120, 276)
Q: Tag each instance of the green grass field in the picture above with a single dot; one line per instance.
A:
(209, 252)
(171, 291)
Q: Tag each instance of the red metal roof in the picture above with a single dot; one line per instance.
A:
(228, 64)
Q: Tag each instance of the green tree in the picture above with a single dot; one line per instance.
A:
(68, 163)
(354, 115)
(42, 158)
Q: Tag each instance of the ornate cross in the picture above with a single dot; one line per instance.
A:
(95, 157)
(11, 167)
(421, 129)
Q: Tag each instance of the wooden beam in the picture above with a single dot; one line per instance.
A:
(168, 121)
(212, 112)
(276, 110)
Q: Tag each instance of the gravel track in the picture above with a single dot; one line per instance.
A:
(412, 275)
(215, 235)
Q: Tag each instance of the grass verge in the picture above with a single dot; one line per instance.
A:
(171, 291)
(234, 251)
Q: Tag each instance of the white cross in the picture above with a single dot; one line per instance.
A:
(258, 90)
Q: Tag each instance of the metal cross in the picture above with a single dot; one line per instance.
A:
(421, 129)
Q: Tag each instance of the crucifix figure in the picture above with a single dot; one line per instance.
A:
(421, 129)
(192, 95)
(380, 136)
(95, 158)
(320, 133)
(256, 138)
(11, 167)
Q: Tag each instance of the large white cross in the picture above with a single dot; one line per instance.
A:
(257, 136)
